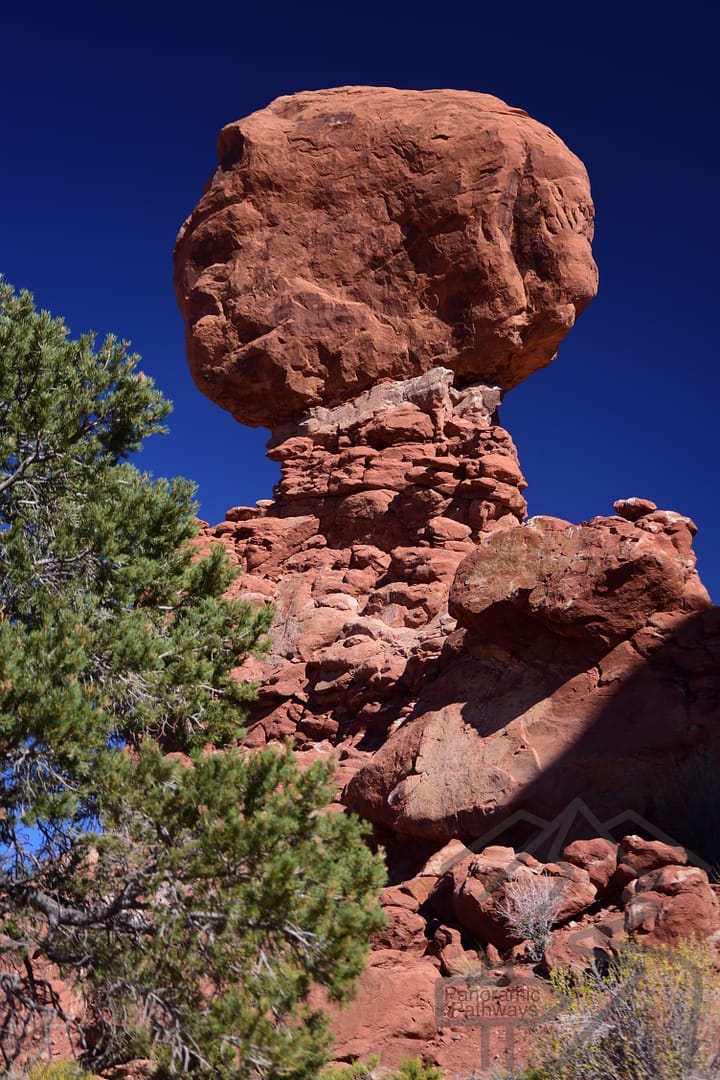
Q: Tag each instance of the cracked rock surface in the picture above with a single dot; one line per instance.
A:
(361, 234)
(367, 272)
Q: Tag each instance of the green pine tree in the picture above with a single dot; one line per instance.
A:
(194, 898)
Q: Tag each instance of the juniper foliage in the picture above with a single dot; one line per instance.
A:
(192, 898)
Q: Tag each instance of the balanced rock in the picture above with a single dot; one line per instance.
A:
(362, 234)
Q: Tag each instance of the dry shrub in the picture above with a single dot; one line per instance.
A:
(532, 904)
(655, 1015)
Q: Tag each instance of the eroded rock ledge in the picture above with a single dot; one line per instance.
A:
(584, 667)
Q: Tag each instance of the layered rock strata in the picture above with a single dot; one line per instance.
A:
(380, 500)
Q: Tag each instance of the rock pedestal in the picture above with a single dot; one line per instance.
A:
(367, 272)
(380, 500)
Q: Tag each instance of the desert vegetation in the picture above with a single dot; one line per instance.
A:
(531, 907)
(189, 895)
(412, 1069)
(654, 1013)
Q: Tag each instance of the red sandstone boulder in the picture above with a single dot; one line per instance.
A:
(445, 858)
(454, 959)
(405, 928)
(670, 904)
(597, 582)
(637, 856)
(575, 891)
(363, 233)
(633, 509)
(478, 889)
(484, 885)
(590, 942)
(598, 856)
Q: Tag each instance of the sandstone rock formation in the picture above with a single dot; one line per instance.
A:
(380, 500)
(361, 234)
(569, 680)
(367, 272)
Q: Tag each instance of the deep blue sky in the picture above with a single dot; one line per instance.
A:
(108, 135)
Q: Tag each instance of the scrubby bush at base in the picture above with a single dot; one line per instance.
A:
(56, 1070)
(655, 1015)
(412, 1069)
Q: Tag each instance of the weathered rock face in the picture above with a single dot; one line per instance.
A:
(366, 273)
(361, 234)
(596, 583)
(380, 500)
(581, 671)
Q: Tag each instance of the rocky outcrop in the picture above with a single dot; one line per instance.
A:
(661, 905)
(395, 1011)
(367, 273)
(570, 654)
(361, 234)
(380, 500)
(460, 665)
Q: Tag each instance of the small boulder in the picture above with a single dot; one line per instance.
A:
(670, 904)
(637, 856)
(597, 856)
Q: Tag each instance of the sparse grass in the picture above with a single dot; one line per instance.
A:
(357, 1070)
(412, 1069)
(469, 965)
(57, 1070)
(517, 1074)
